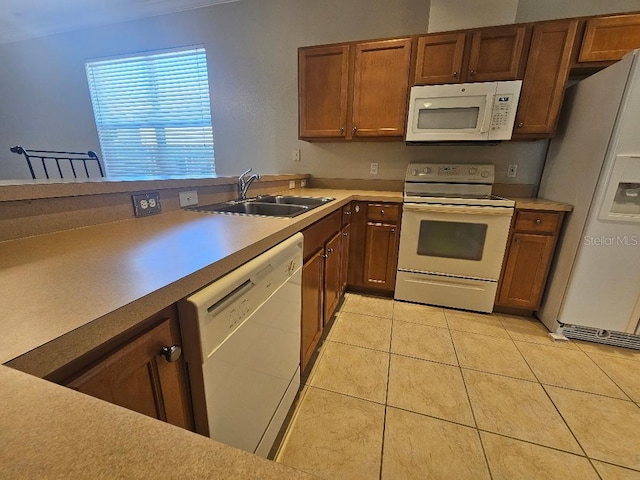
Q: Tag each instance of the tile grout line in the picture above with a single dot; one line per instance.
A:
(555, 406)
(473, 415)
(386, 397)
(609, 377)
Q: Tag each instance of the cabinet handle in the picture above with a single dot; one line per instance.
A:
(538, 221)
(520, 125)
(518, 240)
(393, 230)
(472, 73)
(171, 354)
(355, 129)
(382, 213)
(324, 256)
(345, 234)
(347, 213)
(341, 130)
(455, 74)
(329, 250)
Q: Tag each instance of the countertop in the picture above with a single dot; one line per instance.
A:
(48, 431)
(541, 204)
(65, 293)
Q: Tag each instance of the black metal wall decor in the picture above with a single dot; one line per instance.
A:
(53, 157)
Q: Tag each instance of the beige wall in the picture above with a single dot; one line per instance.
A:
(252, 55)
(536, 10)
(458, 14)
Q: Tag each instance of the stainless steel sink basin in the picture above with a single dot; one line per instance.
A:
(267, 206)
(294, 200)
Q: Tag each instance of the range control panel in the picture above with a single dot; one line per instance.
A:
(450, 173)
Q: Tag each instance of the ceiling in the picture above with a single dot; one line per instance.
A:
(23, 19)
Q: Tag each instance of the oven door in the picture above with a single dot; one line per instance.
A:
(455, 240)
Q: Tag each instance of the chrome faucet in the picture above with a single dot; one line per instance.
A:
(244, 183)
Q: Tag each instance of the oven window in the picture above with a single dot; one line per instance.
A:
(454, 118)
(464, 241)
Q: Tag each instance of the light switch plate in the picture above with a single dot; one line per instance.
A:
(146, 204)
(374, 168)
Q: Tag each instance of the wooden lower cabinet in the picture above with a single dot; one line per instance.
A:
(138, 376)
(312, 305)
(332, 276)
(322, 279)
(373, 255)
(381, 256)
(528, 258)
(344, 257)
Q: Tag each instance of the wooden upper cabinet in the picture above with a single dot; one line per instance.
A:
(610, 38)
(323, 75)
(545, 78)
(380, 87)
(496, 54)
(439, 58)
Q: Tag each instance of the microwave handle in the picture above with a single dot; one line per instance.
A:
(488, 110)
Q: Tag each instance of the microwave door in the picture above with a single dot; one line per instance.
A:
(450, 118)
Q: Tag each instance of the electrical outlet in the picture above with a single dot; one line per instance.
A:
(188, 198)
(374, 168)
(146, 204)
(292, 184)
(295, 154)
(512, 171)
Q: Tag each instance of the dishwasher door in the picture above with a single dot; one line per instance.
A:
(248, 365)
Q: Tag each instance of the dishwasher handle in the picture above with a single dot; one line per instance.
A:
(230, 297)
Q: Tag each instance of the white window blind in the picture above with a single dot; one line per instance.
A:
(153, 114)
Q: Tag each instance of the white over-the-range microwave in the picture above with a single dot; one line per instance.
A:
(483, 111)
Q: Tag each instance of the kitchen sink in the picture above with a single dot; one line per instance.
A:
(293, 200)
(267, 206)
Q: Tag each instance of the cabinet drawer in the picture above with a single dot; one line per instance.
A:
(383, 212)
(539, 222)
(316, 235)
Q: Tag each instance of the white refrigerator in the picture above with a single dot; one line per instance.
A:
(594, 164)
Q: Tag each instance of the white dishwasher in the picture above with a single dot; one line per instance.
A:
(246, 373)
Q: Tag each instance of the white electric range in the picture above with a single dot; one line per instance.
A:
(453, 236)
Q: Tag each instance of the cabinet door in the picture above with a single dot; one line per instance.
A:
(139, 378)
(610, 38)
(439, 58)
(323, 75)
(333, 277)
(496, 54)
(344, 257)
(358, 234)
(312, 291)
(381, 256)
(525, 271)
(381, 83)
(545, 79)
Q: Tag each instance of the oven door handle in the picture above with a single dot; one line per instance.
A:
(461, 210)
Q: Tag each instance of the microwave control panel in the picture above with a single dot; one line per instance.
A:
(503, 110)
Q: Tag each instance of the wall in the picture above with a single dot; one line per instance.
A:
(459, 14)
(252, 54)
(537, 10)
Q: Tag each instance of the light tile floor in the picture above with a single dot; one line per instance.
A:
(403, 391)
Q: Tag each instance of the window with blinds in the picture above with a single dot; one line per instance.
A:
(153, 114)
